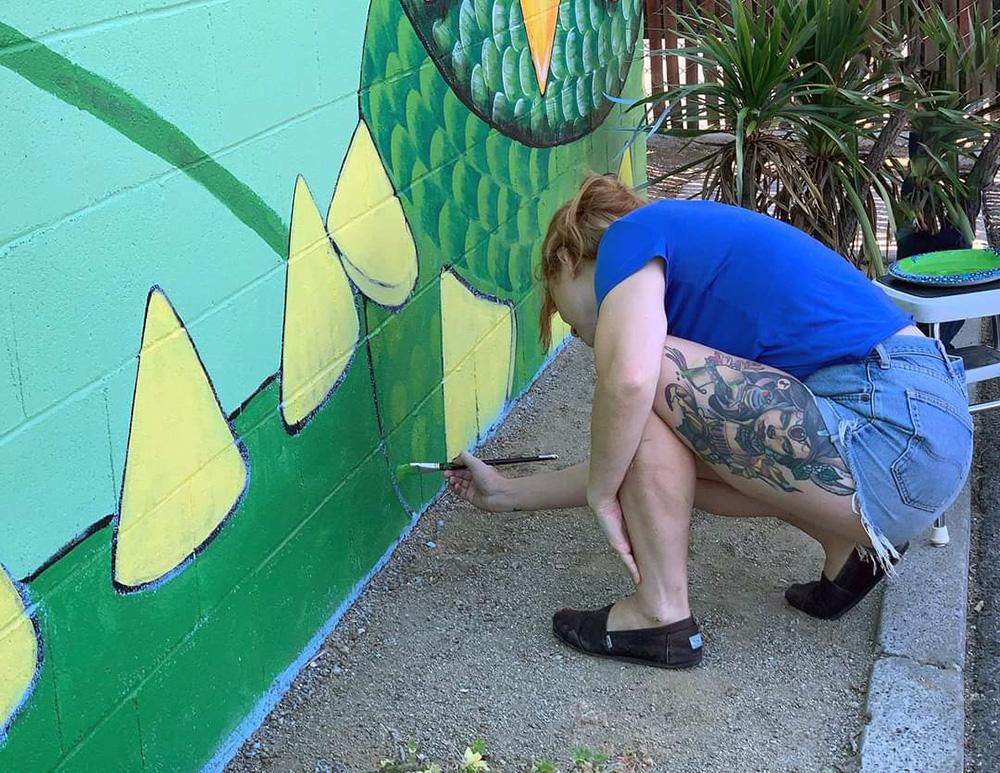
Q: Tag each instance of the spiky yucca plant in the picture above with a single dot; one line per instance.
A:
(801, 85)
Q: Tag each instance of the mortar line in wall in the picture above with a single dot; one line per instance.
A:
(132, 696)
(301, 525)
(111, 445)
(123, 19)
(55, 702)
(133, 692)
(31, 421)
(86, 388)
(210, 156)
(16, 359)
(142, 742)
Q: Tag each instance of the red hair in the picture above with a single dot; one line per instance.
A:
(574, 233)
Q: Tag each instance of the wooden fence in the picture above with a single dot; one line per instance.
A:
(668, 71)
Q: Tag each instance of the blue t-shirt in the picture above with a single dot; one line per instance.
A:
(749, 285)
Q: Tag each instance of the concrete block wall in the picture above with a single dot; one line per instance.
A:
(253, 257)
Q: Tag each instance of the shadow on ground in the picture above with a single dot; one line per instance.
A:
(452, 642)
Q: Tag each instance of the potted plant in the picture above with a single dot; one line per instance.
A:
(952, 155)
(953, 147)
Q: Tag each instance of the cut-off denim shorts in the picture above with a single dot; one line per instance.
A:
(900, 420)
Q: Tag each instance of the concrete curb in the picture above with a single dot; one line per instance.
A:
(916, 701)
(916, 695)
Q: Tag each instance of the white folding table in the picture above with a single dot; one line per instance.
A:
(930, 306)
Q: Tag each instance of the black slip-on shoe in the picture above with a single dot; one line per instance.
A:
(830, 599)
(677, 645)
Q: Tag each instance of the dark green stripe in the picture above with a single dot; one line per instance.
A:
(142, 125)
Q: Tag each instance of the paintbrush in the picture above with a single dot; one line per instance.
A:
(440, 466)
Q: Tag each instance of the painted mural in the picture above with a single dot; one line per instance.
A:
(254, 256)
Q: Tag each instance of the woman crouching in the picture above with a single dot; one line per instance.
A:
(745, 369)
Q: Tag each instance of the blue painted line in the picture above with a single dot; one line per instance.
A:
(255, 718)
(284, 680)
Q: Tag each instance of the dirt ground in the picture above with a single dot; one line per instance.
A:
(452, 642)
(664, 155)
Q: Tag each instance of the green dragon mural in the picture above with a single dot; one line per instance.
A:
(258, 258)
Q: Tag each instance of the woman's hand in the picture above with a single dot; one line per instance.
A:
(609, 515)
(479, 484)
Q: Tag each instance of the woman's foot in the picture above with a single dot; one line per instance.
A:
(830, 599)
(676, 645)
(633, 613)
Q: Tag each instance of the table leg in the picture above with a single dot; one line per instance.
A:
(995, 343)
(939, 532)
(939, 536)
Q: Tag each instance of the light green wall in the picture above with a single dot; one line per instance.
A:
(104, 104)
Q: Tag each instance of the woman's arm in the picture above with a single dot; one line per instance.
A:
(549, 490)
(487, 489)
(628, 349)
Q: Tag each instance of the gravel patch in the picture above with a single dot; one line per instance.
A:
(452, 642)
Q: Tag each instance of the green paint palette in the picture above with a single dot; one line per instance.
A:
(949, 268)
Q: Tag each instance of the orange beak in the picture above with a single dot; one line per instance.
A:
(540, 18)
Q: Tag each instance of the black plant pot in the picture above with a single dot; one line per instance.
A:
(920, 242)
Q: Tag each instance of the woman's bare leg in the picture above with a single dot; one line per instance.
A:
(760, 432)
(714, 496)
(656, 498)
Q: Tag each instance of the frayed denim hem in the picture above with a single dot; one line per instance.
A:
(882, 551)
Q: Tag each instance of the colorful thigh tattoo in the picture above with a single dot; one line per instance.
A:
(759, 423)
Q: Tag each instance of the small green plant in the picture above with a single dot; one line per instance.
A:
(588, 760)
(411, 749)
(472, 761)
(633, 761)
(411, 760)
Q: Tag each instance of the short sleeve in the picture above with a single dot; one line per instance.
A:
(624, 249)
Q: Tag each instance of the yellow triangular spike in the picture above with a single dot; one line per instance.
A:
(321, 321)
(559, 332)
(184, 472)
(18, 649)
(540, 17)
(367, 222)
(625, 170)
(478, 349)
